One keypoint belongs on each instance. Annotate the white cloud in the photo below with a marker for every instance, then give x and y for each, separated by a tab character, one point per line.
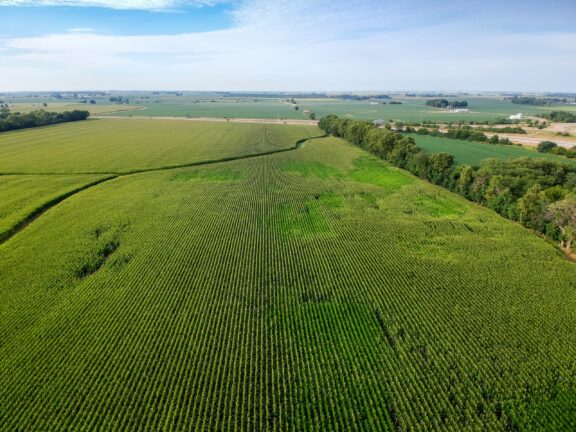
115	4
301	45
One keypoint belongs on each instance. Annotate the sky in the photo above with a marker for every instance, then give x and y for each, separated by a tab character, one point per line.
288	45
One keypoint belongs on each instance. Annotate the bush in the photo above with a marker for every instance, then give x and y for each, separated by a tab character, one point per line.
546	146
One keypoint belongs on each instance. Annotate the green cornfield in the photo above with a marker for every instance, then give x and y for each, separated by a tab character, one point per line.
317	288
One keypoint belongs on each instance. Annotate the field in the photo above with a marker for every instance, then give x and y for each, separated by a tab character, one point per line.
21	196
60	107
313	289
412	109
128	145
472	153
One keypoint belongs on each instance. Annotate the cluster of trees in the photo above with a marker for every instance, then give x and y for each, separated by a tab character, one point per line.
552	147
360	98
463	133
560	116
538	193
119	100
505	129
12	121
444	103
538	101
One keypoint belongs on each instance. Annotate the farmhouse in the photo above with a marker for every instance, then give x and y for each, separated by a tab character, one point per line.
518	116
379	122
460	110
306	112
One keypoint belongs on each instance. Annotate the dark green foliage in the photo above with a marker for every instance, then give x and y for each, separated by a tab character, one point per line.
444	103
560	116
546	146
11	121
537	101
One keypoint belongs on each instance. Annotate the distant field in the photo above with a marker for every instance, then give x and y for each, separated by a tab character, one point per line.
60	107
315	289
122	145
235	108
472	153
412	109
415	110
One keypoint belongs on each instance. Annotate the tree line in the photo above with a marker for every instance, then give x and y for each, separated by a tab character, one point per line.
12	121
537	101
560	116
462	133
538	193
445	103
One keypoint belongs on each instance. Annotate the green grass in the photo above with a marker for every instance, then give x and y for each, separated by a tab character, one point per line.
472	153
125	145
371	171
311	168
278	300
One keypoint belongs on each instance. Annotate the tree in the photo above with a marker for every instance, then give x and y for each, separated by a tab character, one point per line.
563	215
546	146
532	208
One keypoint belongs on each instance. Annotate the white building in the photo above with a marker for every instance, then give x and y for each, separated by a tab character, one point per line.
460	110
518	116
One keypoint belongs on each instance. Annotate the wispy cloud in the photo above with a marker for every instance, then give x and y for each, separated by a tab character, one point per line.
311	45
154	5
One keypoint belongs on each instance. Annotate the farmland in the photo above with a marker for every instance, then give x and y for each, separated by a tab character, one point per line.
472	153
21	196
314	289
111	146
412	109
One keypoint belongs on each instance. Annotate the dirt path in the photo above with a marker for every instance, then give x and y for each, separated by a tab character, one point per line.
533	142
216	119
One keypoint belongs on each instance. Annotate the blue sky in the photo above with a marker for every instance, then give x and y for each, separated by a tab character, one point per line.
288	45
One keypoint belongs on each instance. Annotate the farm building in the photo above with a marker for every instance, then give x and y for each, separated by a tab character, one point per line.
518	116
379	122
306	112
460	110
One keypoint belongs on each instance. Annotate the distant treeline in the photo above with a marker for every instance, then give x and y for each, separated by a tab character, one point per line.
538	101
445	103
360	98
560	116
540	194
462	133
12	121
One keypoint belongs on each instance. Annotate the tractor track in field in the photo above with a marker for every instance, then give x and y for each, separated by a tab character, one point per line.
39	211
